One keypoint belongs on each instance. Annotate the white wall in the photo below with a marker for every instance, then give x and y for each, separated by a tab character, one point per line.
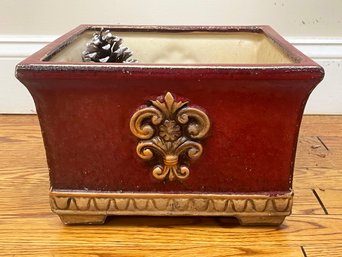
314	26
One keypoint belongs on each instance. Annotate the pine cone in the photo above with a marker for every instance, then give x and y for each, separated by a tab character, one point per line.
105	47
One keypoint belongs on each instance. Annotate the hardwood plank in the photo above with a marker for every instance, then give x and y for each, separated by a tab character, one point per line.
317	177
306	203
312	153
314	125
142	232
332	199
320	130
321	119
114	251
334	144
322	250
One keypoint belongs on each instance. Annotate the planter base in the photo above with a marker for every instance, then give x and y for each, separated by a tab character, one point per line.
93	207
74	219
261	220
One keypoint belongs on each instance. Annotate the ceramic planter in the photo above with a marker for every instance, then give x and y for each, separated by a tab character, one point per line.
206	123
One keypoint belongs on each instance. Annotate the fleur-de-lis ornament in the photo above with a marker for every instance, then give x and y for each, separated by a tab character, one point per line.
169	129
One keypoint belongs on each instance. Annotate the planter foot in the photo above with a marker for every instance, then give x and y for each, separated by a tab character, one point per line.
69	219
261	220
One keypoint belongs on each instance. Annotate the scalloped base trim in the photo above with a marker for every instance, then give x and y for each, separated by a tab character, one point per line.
93	207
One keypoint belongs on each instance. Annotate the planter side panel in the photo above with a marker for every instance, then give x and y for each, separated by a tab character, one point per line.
250	147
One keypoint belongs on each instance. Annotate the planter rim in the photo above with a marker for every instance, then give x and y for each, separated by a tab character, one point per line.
38	61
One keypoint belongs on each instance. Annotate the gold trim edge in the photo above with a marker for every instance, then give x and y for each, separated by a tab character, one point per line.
159	204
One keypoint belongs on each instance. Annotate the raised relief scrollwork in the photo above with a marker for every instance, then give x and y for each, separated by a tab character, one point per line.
169	130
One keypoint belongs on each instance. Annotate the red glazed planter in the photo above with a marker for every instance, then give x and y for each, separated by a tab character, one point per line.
206	123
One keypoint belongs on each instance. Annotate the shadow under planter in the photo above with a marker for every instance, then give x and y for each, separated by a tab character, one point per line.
204	123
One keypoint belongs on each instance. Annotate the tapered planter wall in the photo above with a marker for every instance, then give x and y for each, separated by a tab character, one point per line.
205	123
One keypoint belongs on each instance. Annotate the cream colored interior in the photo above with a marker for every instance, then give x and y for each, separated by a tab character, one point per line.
188	48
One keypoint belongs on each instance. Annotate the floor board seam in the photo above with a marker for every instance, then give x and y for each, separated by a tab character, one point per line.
325	146
303	251
320	201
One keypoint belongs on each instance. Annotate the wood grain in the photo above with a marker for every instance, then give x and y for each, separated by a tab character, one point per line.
317	125
332	200
28	228
134	251
311	152
305	202
317	177
324	251
334	143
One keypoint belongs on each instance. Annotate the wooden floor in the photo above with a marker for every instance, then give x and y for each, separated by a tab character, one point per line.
27	226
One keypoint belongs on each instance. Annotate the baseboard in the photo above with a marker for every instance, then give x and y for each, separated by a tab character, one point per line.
21	46
318	48
326	99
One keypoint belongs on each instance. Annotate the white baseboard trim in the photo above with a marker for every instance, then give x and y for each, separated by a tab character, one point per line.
326	99
13	46
318	48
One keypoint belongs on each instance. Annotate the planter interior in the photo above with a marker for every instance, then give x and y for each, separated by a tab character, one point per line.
189	48
226	147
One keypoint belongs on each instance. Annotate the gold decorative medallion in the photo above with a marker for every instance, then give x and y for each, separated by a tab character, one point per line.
170	131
